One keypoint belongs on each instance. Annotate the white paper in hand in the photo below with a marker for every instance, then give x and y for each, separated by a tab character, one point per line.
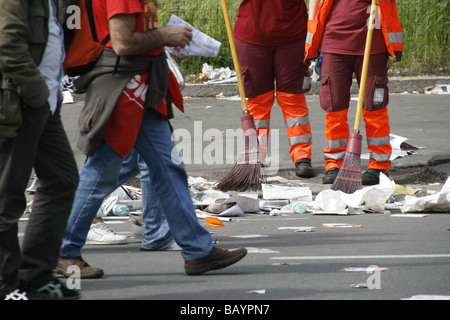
201	45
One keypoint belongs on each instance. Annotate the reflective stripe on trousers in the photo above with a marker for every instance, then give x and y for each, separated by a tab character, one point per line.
295	113
377	132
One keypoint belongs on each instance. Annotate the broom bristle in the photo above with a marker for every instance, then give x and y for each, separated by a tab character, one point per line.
348	179
247	174
242	177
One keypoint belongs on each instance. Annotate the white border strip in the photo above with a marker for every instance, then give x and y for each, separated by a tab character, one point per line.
407	256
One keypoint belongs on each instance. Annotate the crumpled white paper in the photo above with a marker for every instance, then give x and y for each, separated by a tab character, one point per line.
276	192
217	73
338	202
439	202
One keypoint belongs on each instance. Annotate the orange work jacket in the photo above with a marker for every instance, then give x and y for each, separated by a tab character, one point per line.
390	26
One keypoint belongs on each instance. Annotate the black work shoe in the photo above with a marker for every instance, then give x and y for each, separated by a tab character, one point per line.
217	259
372	177
25	292
330	176
58	291
303	168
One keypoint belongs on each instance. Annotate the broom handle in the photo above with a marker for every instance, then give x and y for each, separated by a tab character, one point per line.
362	86
234	54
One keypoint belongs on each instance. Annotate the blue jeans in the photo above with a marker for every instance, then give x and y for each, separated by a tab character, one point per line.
101	172
157	234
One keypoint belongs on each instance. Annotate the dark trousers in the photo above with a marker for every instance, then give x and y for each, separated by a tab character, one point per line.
264	67
41	144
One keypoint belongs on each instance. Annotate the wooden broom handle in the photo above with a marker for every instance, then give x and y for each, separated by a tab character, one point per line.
362	86
234	54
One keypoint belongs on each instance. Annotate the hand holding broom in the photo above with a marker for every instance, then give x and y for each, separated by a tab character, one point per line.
247	172
348	179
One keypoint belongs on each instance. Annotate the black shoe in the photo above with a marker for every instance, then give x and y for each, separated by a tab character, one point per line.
372	176
25	292
330	176
303	168
217	259
58	291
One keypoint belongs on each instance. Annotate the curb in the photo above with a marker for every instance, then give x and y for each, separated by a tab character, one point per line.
396	85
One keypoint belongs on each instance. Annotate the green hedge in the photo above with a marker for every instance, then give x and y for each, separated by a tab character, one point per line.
425	23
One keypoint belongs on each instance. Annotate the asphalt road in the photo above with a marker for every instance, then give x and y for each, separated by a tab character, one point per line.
288	265
284	264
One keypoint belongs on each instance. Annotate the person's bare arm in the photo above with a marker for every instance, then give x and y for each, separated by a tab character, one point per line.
126	40
312	8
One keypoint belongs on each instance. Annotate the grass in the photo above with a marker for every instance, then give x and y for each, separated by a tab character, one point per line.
425	23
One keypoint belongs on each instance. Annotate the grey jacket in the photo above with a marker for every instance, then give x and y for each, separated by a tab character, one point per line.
23	39
104	85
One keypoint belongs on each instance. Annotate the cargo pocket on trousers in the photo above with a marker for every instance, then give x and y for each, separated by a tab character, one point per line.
326	98
307	81
10	110
377	94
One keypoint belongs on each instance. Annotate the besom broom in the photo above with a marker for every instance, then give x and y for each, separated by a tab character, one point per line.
247	172
348	179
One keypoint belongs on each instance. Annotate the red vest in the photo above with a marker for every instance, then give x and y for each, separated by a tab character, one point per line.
390	26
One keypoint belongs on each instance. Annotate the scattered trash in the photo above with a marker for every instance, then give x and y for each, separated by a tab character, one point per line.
233	211
203	215
438	89
404	190
298	229
359	285
410	215
107	206
119	210
400	148
427	297
67	97
367	270
283	197
205	197
249	236
122	202
277	192
340	225
260	250
216	74
372	197
268	205
439	202
275	212
67	84
298	207
259	291
214	222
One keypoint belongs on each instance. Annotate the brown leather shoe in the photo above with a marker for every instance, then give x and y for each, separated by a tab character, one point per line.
217	259
86	271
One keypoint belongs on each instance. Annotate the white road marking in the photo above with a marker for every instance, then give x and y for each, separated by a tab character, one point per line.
405	256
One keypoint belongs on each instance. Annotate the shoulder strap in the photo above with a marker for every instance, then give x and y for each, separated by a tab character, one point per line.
90	13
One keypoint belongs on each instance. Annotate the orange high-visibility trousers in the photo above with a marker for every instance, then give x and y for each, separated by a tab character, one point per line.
377	133
296	117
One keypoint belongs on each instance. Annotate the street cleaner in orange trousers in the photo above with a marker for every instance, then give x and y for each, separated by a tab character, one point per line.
336	34
270	41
